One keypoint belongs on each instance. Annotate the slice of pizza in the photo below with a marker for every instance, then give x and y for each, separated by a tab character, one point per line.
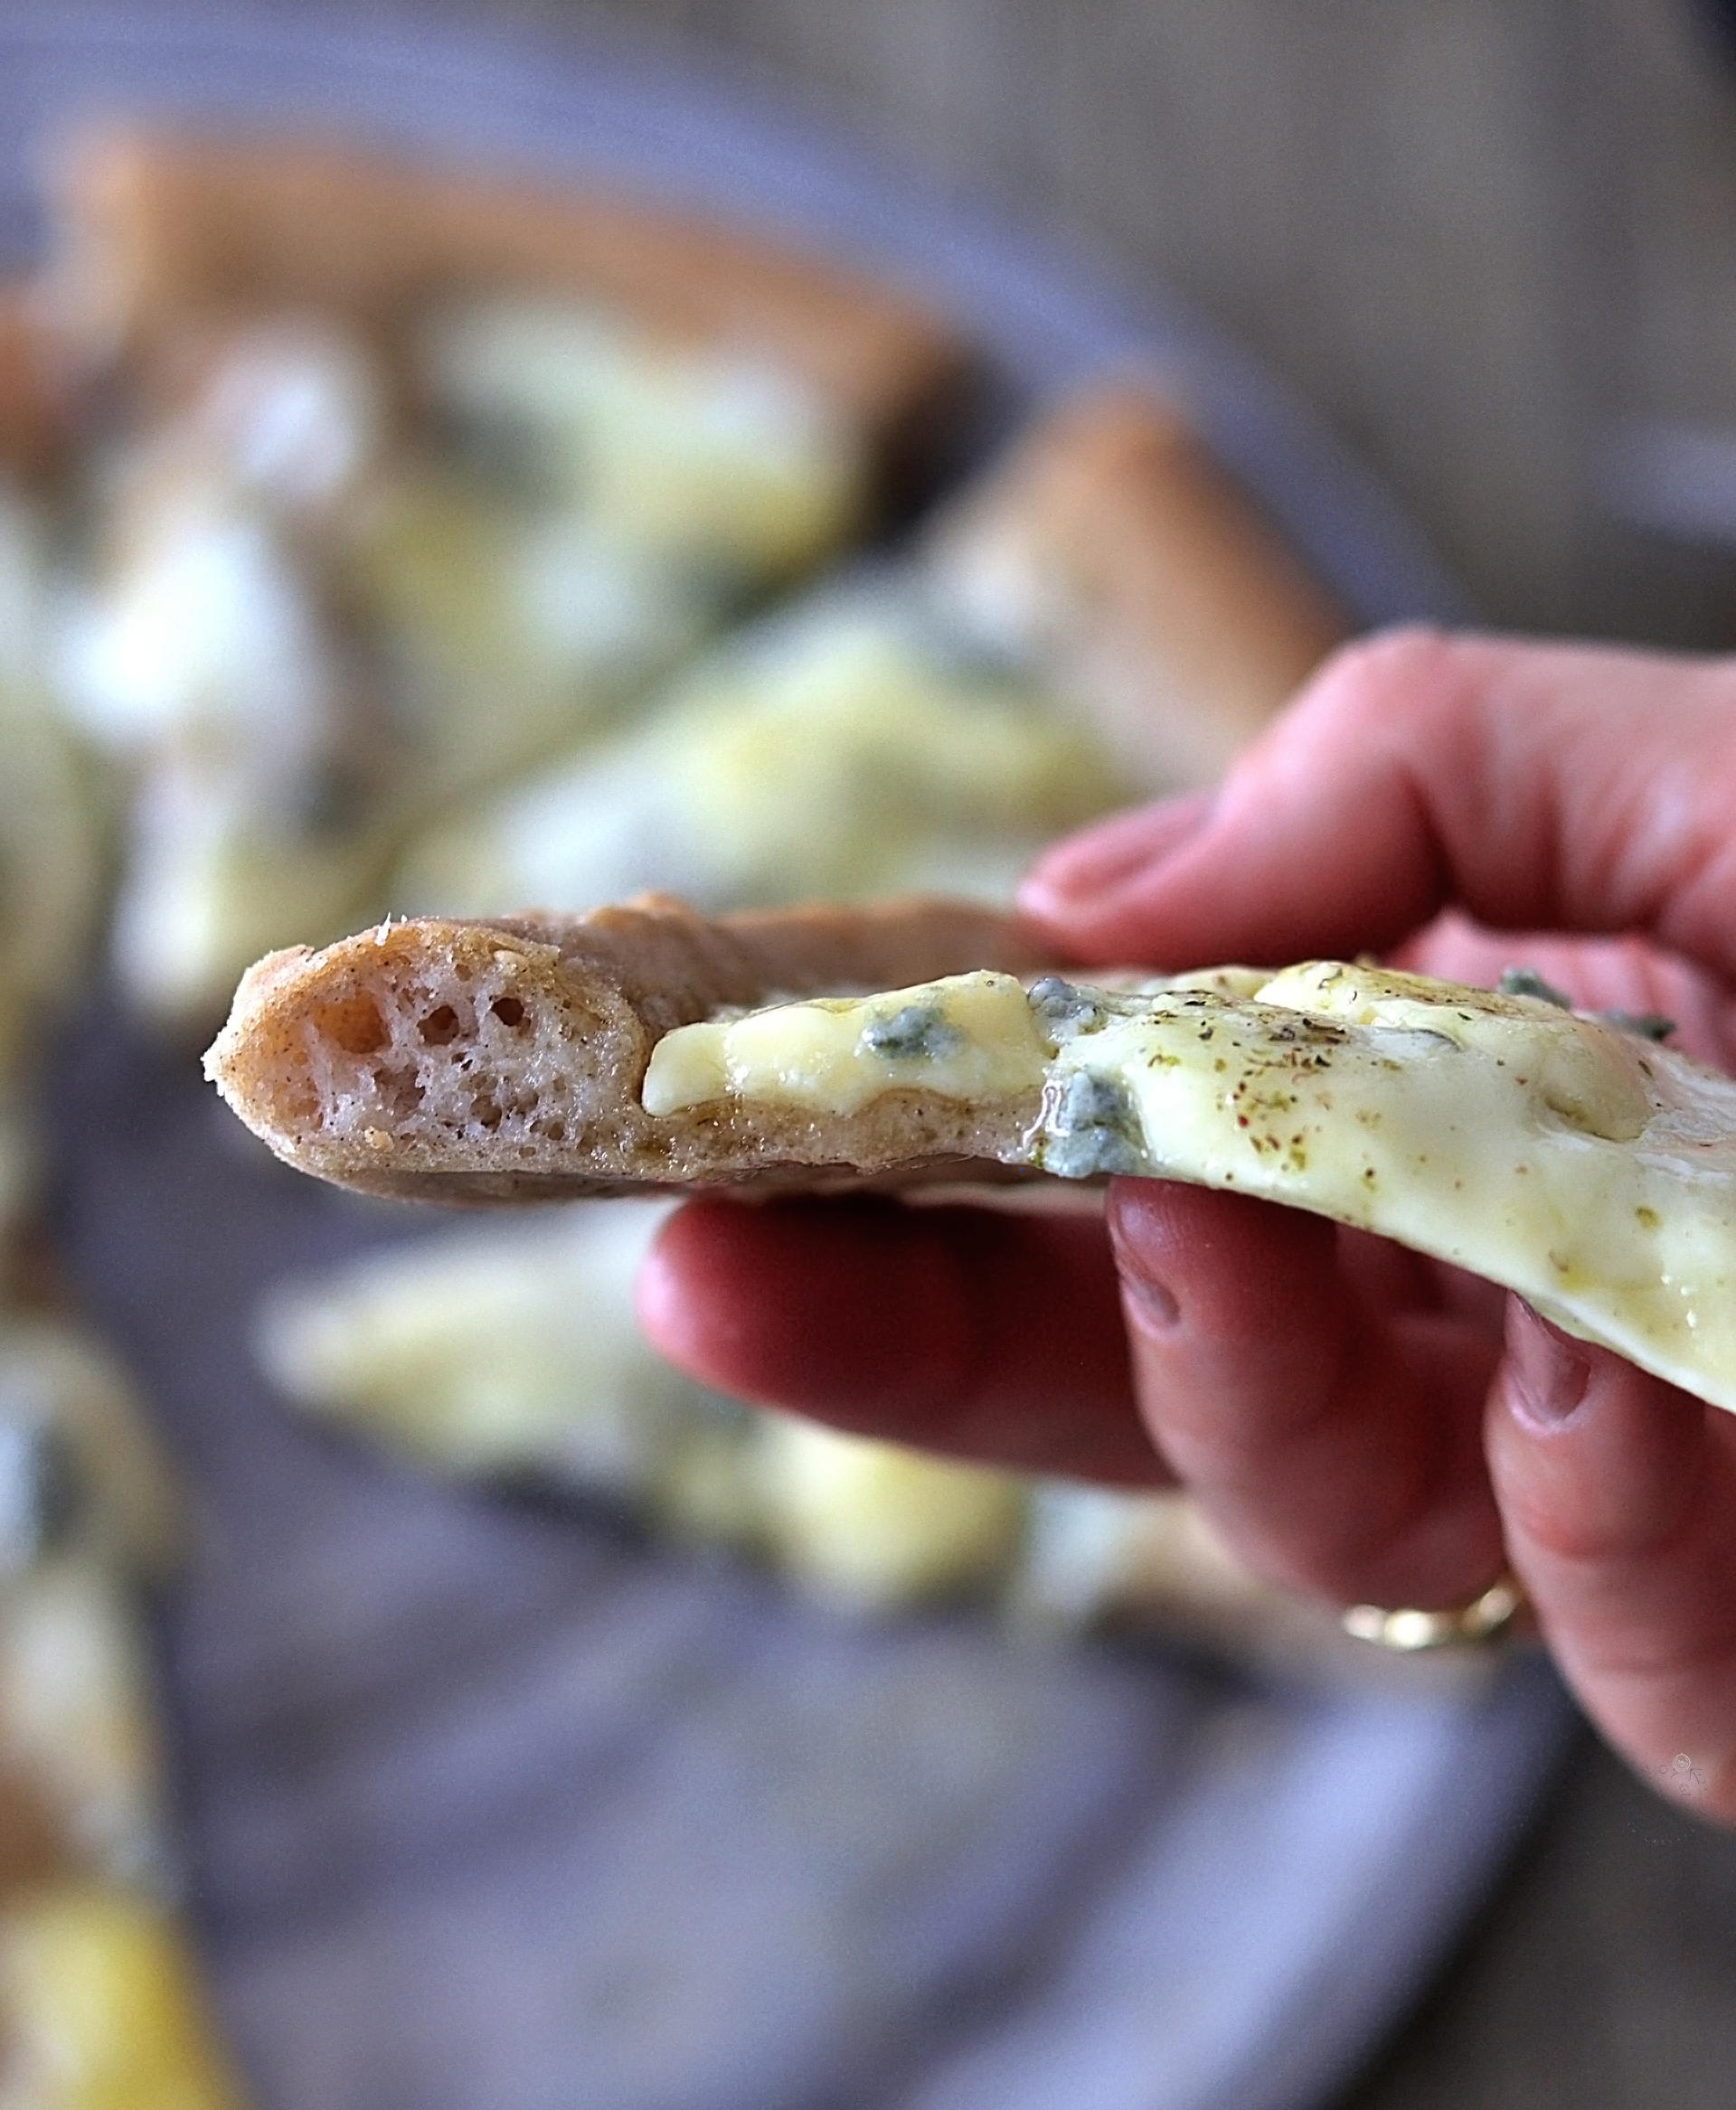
842	747
1101	609
1110	551
486	1059
404	481
509	1351
1574	1160
99	2001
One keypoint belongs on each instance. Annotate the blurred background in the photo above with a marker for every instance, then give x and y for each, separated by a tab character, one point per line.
1494	242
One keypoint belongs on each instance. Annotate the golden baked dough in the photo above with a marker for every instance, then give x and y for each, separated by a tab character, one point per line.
1114	550
172	235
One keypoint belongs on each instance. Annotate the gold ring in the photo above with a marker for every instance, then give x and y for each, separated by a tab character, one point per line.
1484	1619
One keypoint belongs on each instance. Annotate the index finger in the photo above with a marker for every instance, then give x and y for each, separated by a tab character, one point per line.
1551	786
992	1334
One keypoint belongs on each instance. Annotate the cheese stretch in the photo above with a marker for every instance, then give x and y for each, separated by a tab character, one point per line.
1577	1163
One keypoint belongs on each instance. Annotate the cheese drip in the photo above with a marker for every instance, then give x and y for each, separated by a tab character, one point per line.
1583	1166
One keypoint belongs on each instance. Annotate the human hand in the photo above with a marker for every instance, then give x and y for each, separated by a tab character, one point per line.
1358	1422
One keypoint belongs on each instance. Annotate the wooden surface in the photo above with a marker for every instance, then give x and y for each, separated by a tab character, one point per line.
1485	237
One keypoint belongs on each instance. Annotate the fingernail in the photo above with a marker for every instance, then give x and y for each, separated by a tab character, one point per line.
1087	866
1551	1370
1153	1304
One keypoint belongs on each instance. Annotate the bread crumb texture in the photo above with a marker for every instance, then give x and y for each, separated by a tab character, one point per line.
475	1047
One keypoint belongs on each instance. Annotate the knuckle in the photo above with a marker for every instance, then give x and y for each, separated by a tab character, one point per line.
1395	674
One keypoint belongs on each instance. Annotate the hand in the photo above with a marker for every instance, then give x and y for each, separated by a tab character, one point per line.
1358	1422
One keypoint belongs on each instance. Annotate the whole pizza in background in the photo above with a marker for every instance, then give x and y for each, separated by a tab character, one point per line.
376	541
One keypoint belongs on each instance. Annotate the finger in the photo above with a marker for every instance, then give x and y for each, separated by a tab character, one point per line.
1540	786
1618	1494
1599	974
988	1333
1336	1447
1118	849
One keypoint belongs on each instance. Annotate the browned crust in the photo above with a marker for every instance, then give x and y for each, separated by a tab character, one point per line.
37	1842
1170	607
36	386
372	1063
173	234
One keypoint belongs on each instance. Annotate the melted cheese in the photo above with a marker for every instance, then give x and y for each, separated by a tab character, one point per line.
834	750
703	455
971	1037
1586	1168
103	2007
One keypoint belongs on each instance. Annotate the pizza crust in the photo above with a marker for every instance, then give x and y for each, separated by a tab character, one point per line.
1112	549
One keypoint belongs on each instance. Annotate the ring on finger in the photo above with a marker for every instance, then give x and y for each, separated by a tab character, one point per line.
1486	1618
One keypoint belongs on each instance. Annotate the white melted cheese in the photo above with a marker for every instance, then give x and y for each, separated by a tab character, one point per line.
1583	1166
699	453
834	750
971	1037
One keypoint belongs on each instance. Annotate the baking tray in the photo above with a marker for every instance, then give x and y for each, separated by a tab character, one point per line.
494	1805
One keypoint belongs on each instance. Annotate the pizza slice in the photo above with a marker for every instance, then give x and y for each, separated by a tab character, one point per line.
842	747
1574	1159
175	235
1108	549
100	2001
394	484
509	1351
